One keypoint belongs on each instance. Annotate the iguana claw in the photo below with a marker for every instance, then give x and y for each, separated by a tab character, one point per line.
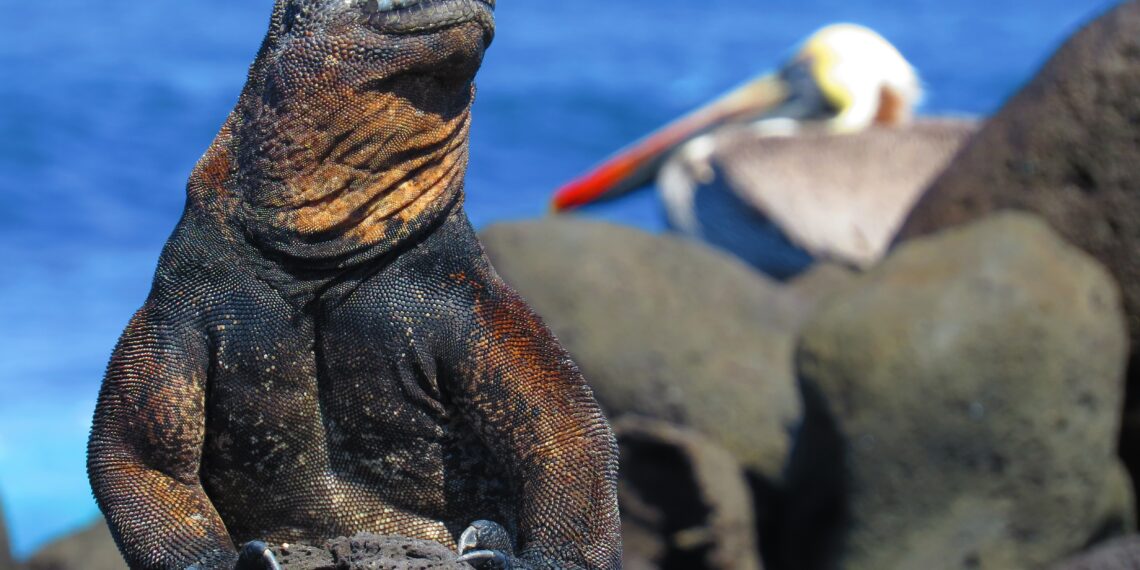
486	560
256	555
486	545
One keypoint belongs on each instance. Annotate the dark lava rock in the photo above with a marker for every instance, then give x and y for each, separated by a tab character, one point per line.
1120	554
970	386
819	283
685	502
370	552
1067	147
90	548
664	328
303	557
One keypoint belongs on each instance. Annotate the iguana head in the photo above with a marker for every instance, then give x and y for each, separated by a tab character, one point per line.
351	133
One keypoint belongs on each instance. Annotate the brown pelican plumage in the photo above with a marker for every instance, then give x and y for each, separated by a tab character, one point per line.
820	159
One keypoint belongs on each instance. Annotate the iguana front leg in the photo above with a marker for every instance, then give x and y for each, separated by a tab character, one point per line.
146	446
533	410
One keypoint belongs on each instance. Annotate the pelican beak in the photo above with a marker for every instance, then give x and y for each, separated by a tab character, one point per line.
637	164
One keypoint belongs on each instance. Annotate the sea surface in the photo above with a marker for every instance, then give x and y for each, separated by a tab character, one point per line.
105	107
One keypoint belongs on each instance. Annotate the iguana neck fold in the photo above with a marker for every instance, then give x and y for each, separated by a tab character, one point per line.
345	143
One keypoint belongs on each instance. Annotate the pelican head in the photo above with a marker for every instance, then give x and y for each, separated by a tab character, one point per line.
844	78
863	79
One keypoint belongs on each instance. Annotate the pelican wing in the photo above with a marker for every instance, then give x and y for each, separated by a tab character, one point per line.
840	197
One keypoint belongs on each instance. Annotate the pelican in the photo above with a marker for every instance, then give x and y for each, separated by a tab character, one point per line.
820	159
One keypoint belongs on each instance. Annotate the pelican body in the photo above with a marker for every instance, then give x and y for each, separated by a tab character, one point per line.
821	158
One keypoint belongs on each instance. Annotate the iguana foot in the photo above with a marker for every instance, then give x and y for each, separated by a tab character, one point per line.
256	555
486	545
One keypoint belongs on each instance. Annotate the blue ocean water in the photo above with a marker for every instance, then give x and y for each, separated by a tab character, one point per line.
105	107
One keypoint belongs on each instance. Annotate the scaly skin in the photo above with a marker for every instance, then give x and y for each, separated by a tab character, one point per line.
326	350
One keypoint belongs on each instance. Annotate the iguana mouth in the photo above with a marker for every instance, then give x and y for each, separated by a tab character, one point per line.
416	16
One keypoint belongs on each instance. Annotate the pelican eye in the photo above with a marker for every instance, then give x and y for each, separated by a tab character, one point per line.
806	99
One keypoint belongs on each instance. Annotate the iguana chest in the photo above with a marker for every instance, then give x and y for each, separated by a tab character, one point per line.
336	423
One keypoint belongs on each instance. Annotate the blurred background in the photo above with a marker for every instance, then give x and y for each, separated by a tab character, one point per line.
106	106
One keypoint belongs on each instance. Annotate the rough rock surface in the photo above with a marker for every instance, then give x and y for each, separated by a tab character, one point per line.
685	501
1067	147
90	548
1120	554
664	328
971	385
370	552
818	284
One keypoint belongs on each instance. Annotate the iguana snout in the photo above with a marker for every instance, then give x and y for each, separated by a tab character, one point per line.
416	15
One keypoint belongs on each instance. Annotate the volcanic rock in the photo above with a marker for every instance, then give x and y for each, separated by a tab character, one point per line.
685	502
92	548
369	552
1067	147
819	283
1119	554
664	328
89	548
962	405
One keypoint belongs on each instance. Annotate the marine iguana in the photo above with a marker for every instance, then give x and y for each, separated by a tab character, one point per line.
326	350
